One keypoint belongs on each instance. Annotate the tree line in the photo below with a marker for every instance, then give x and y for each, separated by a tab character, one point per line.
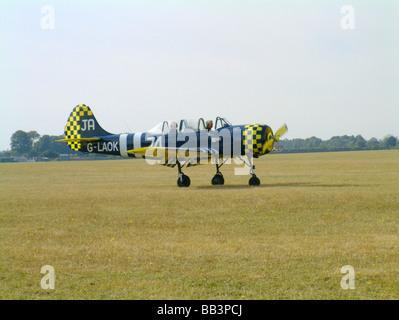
337	143
32	144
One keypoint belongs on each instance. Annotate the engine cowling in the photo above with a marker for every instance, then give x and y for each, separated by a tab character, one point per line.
254	139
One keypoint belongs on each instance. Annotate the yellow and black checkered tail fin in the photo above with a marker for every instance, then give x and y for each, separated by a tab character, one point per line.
82	126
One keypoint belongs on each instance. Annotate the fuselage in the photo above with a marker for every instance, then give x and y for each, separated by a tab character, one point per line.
228	141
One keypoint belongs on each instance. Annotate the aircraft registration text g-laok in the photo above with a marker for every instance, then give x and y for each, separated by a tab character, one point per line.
111	146
118	144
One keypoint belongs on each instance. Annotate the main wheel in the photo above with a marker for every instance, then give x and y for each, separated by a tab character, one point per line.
218	179
254	181
184	182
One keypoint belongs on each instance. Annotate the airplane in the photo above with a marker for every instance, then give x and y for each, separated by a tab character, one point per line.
186	142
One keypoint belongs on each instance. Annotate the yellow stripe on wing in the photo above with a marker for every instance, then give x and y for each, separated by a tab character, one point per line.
161	152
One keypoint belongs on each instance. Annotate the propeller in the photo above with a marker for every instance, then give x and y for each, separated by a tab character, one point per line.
272	138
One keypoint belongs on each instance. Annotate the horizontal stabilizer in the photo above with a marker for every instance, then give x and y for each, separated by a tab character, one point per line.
79	140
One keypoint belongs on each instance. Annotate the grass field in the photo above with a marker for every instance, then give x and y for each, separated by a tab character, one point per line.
124	230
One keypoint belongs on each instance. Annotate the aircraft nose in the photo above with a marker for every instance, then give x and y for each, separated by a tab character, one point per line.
269	142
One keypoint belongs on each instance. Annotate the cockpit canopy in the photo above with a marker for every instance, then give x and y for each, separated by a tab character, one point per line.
222	123
196	125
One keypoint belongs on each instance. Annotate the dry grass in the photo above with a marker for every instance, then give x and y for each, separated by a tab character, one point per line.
124	230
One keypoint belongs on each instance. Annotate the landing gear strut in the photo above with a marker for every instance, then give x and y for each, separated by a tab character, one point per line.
254	180
218	177
183	180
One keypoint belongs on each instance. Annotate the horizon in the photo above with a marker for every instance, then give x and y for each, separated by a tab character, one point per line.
282	139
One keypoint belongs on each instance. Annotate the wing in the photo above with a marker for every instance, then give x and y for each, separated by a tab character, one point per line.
168	156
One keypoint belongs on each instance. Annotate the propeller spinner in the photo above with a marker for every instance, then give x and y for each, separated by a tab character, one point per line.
268	146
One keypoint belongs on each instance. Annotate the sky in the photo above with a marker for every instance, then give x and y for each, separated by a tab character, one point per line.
319	67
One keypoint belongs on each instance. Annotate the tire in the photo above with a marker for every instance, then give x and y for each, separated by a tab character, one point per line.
185	182
254	181
218	179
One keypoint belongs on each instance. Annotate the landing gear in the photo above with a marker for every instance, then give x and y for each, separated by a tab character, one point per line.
254	180
218	177
183	180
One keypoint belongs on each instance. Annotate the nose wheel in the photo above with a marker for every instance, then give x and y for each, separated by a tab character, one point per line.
254	181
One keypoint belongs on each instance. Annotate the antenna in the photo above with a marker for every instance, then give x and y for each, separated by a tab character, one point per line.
130	131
